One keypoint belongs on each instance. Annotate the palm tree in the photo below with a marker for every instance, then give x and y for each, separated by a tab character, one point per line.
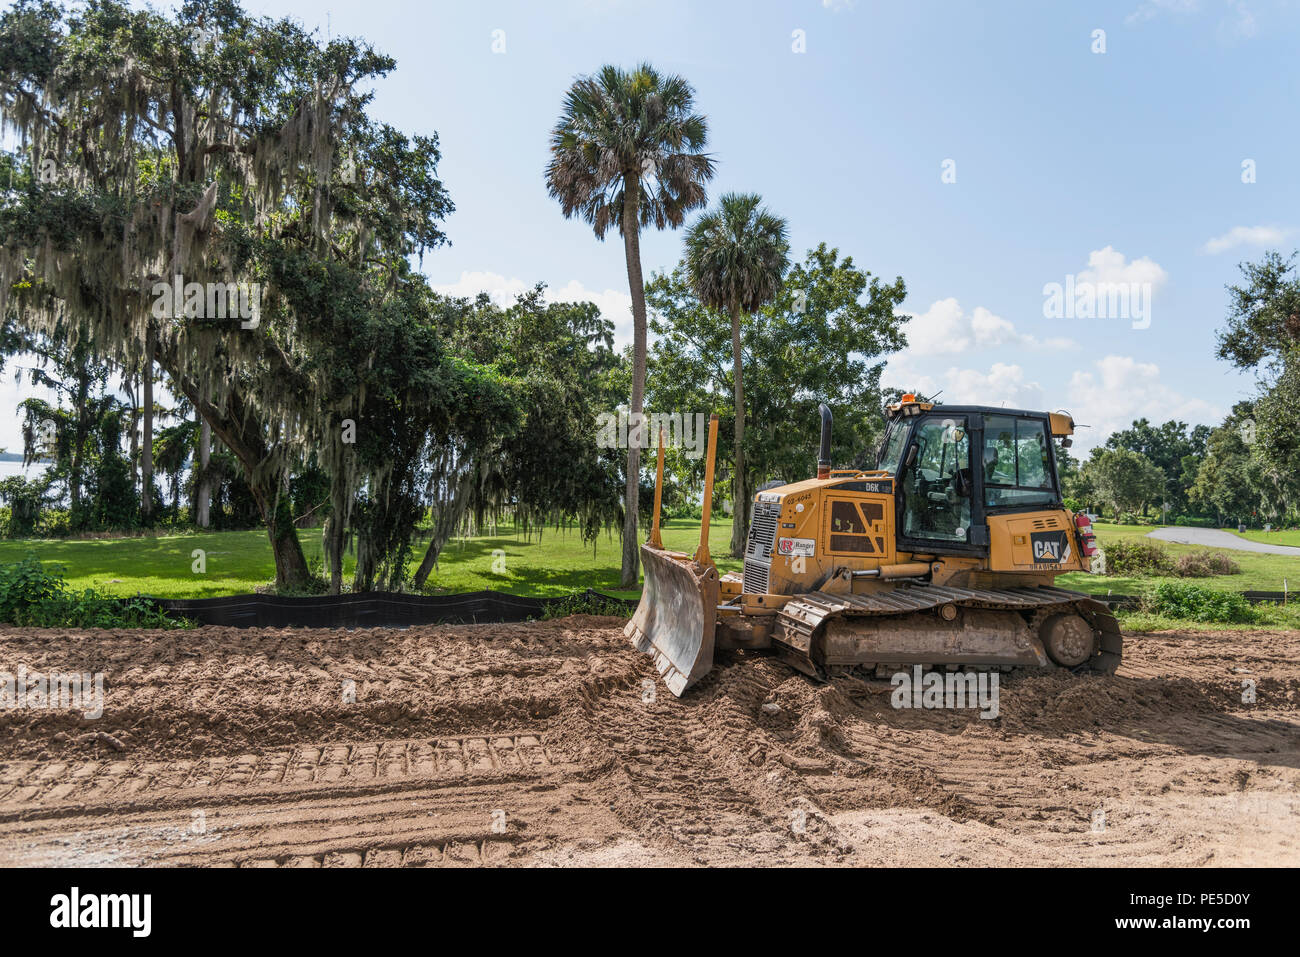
627	153
736	257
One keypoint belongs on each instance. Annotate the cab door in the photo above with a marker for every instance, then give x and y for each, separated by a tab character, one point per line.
937	511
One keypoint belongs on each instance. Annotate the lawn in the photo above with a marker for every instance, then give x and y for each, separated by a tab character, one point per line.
1270	538
1259	572
554	563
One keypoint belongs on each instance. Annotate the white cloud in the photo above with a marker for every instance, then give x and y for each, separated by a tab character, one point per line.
1004	384
946	329
1246	236
1239	24
835	6
1108	265
1119	389
1149	9
614	305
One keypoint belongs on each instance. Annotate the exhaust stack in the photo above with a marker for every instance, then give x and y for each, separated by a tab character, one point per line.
824	455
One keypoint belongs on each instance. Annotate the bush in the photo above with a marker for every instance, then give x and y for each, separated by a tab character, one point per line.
1191	521
1137	558
586	603
1204	564
1198	603
24	585
26	500
33	596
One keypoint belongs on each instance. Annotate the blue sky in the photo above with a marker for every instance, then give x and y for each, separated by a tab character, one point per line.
1124	165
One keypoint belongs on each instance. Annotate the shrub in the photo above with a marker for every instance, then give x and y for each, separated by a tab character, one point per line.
32	595
586	603
1204	564
26	500
24	585
1198	603
1192	521
1137	558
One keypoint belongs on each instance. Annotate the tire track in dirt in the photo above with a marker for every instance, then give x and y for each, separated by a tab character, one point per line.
553	743
27	783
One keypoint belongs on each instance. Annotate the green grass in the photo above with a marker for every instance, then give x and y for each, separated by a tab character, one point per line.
1259	572
1272	617
554	563
1269	538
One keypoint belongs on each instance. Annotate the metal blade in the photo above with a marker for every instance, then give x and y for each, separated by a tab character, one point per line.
677	617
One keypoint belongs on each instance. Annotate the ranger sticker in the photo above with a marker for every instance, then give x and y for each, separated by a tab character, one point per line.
796	547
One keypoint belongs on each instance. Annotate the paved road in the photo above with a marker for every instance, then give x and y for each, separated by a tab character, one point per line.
1218	538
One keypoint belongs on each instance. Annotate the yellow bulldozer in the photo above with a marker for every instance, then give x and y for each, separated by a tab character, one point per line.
945	555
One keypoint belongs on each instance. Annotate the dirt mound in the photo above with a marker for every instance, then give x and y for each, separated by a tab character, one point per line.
553	743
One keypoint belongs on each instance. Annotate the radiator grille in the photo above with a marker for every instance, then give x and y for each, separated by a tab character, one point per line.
762	530
758	550
755	580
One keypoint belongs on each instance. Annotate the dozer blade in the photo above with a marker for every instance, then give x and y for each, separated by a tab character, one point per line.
677	618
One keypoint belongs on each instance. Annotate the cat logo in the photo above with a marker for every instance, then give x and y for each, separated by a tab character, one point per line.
1050	548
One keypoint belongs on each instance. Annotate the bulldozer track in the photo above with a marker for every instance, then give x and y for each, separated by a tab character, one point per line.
802	617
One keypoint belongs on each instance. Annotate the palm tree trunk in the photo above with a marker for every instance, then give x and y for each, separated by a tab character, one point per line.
739	501
203	507
82	432
636	285
135	436
146	445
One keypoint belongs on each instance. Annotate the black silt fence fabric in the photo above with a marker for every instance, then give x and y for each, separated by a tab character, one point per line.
367	610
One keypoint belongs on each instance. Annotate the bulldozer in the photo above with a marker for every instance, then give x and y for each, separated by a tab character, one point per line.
944	555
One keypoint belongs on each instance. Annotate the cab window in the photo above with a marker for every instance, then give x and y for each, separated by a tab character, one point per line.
936	502
1017	467
891	450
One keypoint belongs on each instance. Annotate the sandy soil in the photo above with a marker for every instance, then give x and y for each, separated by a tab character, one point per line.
547	744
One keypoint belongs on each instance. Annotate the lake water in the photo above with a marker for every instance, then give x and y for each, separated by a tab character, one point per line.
10	469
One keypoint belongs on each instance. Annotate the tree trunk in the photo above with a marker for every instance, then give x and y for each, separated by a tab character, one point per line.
202	511
290	563
335	531
244	435
146	444
447	516
135	436
203	493
739	501
636	285
78	448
